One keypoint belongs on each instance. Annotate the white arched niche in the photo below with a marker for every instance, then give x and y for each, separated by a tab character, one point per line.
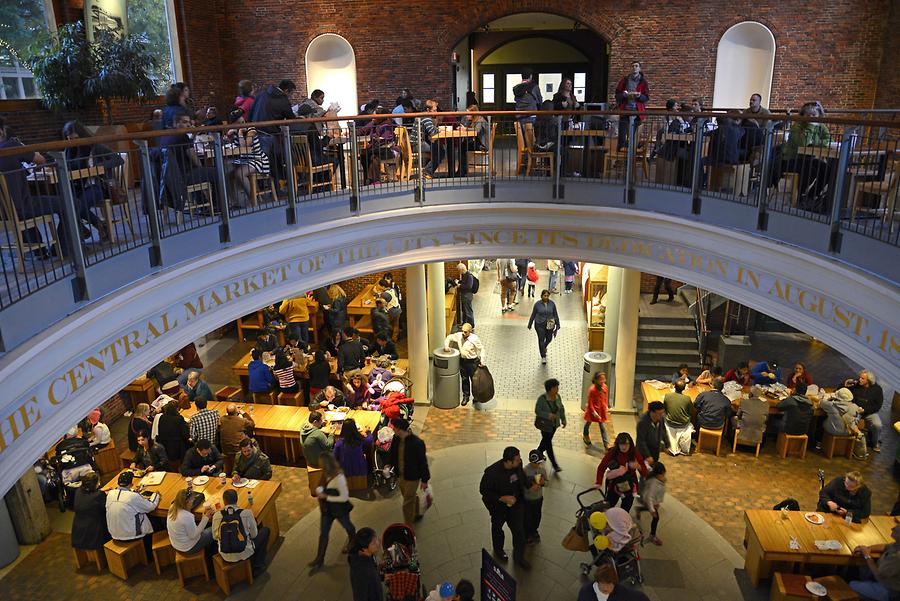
744	65
331	67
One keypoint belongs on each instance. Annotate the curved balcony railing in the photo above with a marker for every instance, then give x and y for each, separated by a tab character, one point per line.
95	199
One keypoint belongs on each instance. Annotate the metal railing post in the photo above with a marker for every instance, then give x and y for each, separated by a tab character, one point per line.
558	191
148	191
225	227
489	183
290	175
420	172
72	227
354	170
697	167
629	160
762	194
848	141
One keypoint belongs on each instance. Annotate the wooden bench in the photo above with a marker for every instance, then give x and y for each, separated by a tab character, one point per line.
261	398
228	393
789	444
229	573
107	459
191	565
122	555
842	445
293	399
838	590
127	458
709	433
163	553
314	476
789	587
85	556
364	325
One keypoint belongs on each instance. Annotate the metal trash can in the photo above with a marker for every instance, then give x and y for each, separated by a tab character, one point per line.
594	361
445	364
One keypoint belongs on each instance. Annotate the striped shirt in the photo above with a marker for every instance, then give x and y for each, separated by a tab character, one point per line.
285	377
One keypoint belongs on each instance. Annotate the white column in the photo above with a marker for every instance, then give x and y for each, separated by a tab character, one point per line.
417	332
613	294
626	340
437	323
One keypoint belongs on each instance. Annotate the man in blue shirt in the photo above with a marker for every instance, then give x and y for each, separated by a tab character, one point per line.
766	372
713	407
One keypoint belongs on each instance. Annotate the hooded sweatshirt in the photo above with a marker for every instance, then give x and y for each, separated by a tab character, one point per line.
835	410
315	442
271	104
528	96
798	411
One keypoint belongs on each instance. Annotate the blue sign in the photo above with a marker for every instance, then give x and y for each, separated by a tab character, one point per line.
496	583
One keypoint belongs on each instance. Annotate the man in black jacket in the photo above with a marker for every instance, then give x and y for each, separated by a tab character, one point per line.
274	103
868	395
502	491
845	495
202	459
652	437
352	353
407	455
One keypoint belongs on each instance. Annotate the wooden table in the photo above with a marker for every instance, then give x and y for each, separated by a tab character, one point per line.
283	423
47	174
141	390
768	538
239	369
446	132
651	394
865	163
264	497
358	306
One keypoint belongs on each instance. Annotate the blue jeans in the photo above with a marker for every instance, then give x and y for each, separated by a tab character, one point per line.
870	589
328	517
300	331
554	277
206	542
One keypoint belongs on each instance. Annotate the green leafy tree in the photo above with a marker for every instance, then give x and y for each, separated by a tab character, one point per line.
149	18
61	63
21	22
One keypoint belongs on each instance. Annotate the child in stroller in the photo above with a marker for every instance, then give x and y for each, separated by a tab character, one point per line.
400	568
614	539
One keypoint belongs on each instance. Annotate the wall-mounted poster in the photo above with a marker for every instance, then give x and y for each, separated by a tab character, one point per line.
111	15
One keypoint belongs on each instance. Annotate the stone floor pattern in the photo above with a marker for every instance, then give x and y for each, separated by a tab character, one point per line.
702	512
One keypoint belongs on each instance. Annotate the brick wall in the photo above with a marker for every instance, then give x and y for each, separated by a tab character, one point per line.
888	95
115	407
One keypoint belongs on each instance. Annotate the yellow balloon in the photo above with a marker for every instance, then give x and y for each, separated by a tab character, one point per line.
598	520
601	542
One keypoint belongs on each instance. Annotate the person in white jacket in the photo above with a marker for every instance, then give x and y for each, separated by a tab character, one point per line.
334	504
185	534
471	355
127	512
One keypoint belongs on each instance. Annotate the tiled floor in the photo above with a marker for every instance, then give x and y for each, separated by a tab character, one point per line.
703	512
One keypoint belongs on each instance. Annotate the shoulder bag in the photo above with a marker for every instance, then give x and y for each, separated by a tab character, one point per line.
545	424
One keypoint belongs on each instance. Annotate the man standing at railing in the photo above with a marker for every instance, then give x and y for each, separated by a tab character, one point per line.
632	94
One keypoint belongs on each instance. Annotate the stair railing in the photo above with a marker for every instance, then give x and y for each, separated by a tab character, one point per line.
699	309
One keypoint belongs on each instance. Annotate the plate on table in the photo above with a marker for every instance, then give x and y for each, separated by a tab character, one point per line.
816	588
241	483
814	518
201	480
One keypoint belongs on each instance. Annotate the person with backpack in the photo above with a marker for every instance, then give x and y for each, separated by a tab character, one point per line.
239	536
468	286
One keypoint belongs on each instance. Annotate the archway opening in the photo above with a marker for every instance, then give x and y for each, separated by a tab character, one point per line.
331	66
745	62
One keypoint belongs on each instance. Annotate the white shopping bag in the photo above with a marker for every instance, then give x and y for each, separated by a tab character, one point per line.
426	498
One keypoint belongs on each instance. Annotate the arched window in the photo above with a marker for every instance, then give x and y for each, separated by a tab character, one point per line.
331	67
744	65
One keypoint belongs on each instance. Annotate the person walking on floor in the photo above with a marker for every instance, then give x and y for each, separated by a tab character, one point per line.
653	491
334	504
597	409
534	496
508	276
546	323
553	266
365	579
407	455
522	267
467	288
502	491
660	282
471	354
550	414
570	270
623	462
532	279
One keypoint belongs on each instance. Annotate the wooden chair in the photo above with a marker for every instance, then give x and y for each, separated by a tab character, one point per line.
355	483
409	156
292	399
163	553
122	177
191	565
393	167
127	458
84	557
886	190
122	555
256	191
206	202
832	444
792	444
228	394
708	433
613	155
229	573
792	181
730	179
107	459
481	160
789	587
525	154
261	398
739	441
304	170
14	227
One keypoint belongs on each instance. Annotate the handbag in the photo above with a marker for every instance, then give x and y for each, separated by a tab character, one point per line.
546	424
551	325
573	541
425	497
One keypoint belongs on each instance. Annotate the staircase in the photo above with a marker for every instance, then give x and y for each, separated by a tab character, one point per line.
663	344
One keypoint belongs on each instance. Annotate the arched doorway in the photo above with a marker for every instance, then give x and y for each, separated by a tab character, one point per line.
331	66
490	59
745	62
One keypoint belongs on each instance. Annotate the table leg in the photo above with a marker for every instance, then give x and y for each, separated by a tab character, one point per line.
342	166
451	159
754	564
268	517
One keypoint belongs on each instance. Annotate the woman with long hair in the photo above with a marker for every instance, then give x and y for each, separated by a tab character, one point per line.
334	504
623	462
319	373
89	530
186	535
365	580
349	449
358	392
336	310
140	422
284	371
550	414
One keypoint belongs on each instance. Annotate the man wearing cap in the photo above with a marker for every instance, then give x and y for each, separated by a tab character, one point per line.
502	491
534	495
471	355
407	455
127	512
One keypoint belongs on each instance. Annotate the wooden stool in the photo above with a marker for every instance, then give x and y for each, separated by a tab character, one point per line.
127	458
790	587
314	475
121	555
85	556
716	435
358	482
294	399
228	573
838	590
163	553
261	398
228	393
738	441
107	459
192	565
792	444
832	444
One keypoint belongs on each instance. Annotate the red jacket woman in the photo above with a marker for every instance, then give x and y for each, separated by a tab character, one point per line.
637	98
597	409
624	462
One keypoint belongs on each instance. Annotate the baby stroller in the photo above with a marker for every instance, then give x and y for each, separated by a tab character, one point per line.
400	568
382	449
73	459
627	560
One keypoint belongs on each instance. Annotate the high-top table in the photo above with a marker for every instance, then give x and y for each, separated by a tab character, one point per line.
264	497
